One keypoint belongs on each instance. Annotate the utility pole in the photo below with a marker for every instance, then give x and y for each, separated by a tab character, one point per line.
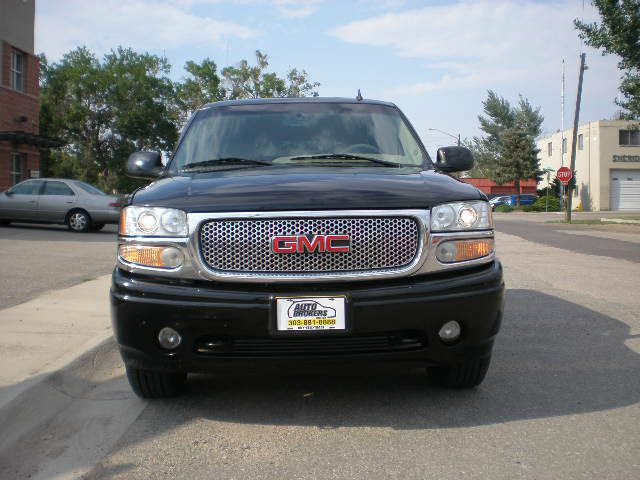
548	171
562	135
574	136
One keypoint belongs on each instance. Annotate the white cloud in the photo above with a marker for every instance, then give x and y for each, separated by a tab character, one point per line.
142	24
297	8
481	44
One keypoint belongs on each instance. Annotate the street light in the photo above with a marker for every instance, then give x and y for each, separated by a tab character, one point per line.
457	137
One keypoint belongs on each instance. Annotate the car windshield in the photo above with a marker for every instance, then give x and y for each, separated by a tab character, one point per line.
90	188
299	133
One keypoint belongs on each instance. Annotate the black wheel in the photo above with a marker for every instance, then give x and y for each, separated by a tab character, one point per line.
96	227
150	384
79	221
4	223
468	374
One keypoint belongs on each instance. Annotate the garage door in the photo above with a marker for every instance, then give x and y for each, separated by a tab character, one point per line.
625	190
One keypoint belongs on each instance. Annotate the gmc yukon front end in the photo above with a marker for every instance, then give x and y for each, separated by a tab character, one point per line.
314	230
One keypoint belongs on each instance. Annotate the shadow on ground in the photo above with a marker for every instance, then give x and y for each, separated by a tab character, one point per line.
552	358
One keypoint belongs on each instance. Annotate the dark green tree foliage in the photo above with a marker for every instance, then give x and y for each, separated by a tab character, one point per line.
504	153
246	81
201	86
517	158
618	32
105	110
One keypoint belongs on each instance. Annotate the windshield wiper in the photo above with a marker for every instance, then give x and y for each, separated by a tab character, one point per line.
346	156
222	161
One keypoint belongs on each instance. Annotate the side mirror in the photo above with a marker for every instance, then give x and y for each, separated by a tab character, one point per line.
454	159
144	164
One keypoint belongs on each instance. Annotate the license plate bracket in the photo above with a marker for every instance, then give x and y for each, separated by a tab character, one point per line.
310	315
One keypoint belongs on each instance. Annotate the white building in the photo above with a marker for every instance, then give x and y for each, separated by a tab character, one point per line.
607	167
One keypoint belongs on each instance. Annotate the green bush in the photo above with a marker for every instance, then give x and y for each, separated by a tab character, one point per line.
540	205
504	208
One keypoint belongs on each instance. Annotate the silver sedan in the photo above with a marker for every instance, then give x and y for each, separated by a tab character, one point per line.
56	200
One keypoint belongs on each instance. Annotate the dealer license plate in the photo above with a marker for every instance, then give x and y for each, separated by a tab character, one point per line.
310	313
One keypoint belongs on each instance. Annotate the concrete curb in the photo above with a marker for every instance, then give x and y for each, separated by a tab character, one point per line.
41	398
619	220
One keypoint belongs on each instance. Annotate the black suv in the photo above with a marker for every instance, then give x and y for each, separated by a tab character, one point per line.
309	230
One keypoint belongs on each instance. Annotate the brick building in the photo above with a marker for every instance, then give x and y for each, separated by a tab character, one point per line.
492	188
19	95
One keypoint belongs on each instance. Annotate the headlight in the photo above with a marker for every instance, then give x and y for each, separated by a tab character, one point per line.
461	216
153	221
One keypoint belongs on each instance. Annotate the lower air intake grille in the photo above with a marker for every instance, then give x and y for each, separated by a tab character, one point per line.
271	347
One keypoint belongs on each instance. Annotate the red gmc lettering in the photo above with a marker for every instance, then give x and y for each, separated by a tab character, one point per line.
329	247
284	244
317	243
311	244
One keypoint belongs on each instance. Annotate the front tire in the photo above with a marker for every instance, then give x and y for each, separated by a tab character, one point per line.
467	374
151	384
79	221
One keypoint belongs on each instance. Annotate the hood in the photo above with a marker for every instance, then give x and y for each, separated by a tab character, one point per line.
305	188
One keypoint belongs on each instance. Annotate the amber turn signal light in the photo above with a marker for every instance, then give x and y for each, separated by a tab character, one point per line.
463	250
151	256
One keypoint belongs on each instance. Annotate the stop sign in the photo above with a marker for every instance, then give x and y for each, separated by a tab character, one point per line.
564	174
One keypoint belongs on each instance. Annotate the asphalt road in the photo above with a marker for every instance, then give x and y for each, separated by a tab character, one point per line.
561	400
616	241
38	258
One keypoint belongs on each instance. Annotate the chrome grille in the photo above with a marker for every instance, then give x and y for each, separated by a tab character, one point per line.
377	243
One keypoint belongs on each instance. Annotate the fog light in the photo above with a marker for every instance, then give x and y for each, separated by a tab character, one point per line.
463	250
450	331
151	255
168	338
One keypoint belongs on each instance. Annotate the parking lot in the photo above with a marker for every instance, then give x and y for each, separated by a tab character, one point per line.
38	258
561	399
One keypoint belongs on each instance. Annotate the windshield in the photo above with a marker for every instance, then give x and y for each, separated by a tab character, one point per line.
90	188
300	133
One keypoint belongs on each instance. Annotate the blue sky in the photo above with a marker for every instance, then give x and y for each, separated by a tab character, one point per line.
434	59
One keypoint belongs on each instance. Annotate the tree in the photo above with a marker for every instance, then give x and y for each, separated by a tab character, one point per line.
104	110
202	86
618	33
501	122
517	158
245	81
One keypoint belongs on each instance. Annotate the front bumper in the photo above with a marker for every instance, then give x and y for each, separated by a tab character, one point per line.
395	320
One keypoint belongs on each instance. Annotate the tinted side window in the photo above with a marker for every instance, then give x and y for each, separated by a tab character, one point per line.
31	187
57	188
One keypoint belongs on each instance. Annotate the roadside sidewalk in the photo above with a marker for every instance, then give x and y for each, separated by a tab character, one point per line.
43	335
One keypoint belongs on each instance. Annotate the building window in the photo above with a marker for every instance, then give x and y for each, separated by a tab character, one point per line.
17	70
580	142
629	138
18	161
549	148
564	145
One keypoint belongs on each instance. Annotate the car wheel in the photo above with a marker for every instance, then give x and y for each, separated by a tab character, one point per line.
4	223
79	221
150	384
467	374
96	227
